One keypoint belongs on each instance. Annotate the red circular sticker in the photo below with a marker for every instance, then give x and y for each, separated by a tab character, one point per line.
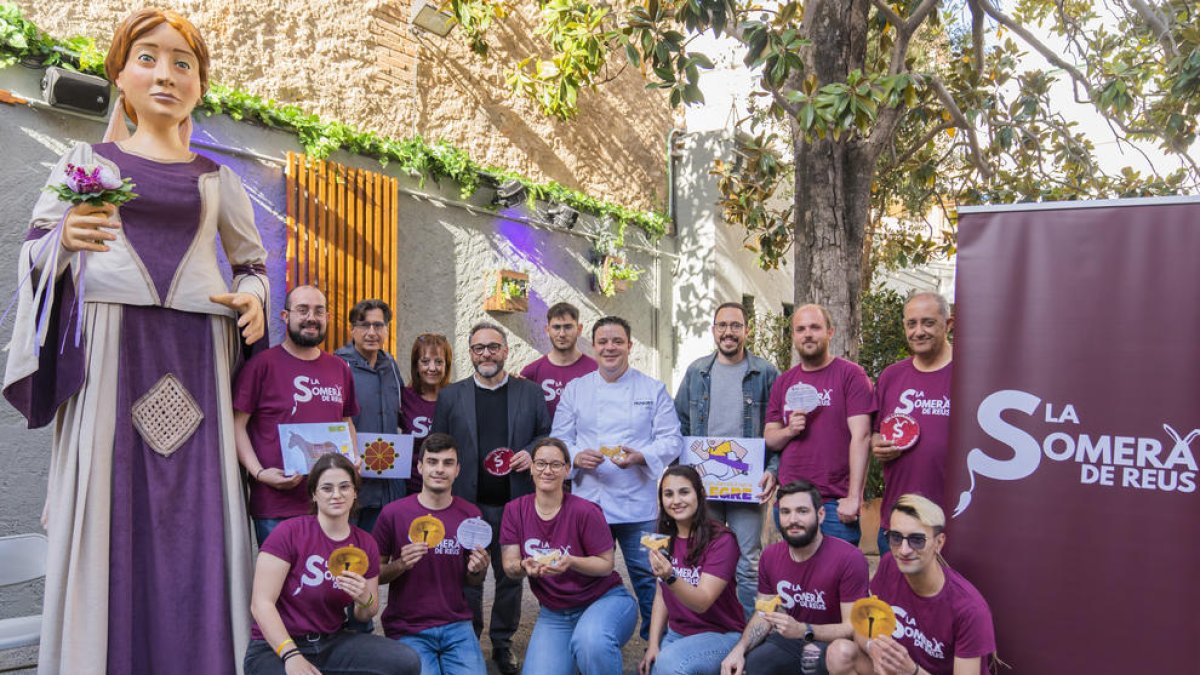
901	430
498	462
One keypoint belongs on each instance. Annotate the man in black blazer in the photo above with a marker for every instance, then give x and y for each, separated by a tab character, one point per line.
494	419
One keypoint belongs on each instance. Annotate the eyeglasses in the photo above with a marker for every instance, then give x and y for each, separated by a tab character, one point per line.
305	310
368	326
734	326
491	348
916	541
541	465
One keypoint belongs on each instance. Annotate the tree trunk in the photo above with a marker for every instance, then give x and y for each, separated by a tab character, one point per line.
833	181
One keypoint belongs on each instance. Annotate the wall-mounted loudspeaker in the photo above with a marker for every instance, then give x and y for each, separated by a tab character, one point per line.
68	89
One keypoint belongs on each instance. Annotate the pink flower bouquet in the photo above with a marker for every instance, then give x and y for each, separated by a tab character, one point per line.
94	185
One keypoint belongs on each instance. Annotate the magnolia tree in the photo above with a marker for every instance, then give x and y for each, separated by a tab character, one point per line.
869	108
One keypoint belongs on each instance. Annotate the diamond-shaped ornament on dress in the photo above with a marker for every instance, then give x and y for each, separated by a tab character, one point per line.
166	416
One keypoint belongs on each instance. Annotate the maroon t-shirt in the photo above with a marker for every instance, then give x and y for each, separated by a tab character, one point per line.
720	560
813	591
416	418
277	388
310	600
552	378
578	529
954	623
431	593
821	453
925	397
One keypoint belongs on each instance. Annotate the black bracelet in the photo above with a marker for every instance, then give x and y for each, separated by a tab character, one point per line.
290	654
256	480
916	668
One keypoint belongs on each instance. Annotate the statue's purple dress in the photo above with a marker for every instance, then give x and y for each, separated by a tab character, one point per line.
150	556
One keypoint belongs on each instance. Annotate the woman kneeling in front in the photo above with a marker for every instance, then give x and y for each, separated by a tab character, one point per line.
300	595
696	604
563	544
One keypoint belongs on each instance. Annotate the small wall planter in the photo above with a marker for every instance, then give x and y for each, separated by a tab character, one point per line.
613	275
510	292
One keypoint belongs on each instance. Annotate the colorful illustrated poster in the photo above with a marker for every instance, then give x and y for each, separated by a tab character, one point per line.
385	455
730	467
303	444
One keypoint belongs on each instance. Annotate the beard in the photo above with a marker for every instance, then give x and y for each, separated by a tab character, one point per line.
801	540
489	368
737	349
298	337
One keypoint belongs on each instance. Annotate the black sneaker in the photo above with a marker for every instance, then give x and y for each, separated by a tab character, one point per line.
506	662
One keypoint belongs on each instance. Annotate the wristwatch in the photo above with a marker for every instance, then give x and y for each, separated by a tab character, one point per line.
671	579
808	633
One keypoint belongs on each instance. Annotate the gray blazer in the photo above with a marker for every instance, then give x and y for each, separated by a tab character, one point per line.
528	420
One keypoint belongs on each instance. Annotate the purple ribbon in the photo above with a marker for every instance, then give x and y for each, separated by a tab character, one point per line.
39	256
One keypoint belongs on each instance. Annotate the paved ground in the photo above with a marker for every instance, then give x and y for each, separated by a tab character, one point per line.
632	652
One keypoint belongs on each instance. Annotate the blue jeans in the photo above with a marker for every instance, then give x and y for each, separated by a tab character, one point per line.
698	654
637	563
264	526
451	649
882	542
832	527
586	639
745	521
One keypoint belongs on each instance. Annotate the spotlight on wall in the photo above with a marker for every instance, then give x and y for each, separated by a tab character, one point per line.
80	92
431	20
563	216
509	193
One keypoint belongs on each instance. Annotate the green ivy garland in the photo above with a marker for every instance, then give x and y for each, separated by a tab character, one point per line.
22	41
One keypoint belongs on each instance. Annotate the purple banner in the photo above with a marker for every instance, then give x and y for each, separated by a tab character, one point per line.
1076	432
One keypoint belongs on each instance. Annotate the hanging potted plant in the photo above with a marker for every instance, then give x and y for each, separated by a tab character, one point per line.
611	273
510	292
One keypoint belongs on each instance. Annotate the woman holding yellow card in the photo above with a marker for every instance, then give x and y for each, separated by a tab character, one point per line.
562	543
309	570
696	617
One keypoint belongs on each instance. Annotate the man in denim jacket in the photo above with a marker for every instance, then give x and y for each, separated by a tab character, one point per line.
725	394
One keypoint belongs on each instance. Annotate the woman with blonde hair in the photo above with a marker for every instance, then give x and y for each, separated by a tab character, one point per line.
126	339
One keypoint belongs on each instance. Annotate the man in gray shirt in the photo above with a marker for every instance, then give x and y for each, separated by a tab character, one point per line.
725	394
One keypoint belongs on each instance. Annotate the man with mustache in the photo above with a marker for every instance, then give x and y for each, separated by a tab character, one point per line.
494	420
815	580
919	389
819	418
293	382
725	395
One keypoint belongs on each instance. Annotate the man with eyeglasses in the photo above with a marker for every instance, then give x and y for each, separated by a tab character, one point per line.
819	419
915	393
806	585
725	395
564	362
622	431
494	420
377	385
943	624
293	382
